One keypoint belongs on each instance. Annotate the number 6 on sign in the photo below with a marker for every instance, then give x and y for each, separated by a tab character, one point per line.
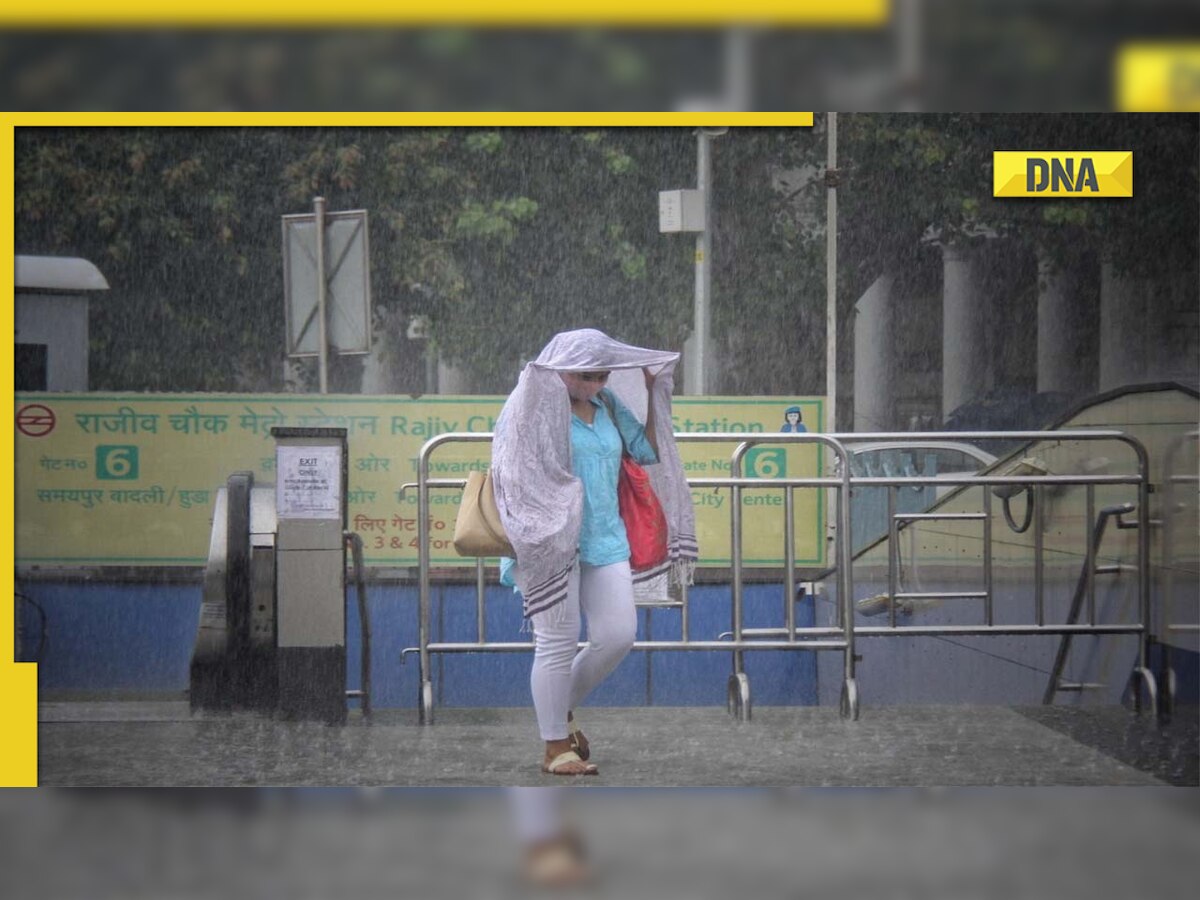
766	462
117	462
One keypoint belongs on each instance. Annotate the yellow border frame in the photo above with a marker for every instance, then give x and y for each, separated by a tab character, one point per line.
18	682
486	13
410	120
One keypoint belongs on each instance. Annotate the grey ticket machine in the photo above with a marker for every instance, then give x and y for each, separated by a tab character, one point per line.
310	571
272	633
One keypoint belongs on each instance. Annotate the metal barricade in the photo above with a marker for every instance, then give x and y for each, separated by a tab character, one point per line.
1039	485
839	638
1179	558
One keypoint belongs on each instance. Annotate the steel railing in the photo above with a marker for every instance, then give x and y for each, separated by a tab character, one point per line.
1039	485
841	635
1180	498
841	638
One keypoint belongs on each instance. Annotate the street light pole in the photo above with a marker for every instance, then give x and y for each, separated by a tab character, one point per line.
831	270
322	323
701	355
702	314
832	500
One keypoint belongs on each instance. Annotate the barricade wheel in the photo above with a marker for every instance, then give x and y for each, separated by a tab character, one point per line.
1166	702
426	703
849	701
738	696
744	694
1144	679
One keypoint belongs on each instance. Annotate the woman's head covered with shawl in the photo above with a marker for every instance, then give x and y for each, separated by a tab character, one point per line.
540	500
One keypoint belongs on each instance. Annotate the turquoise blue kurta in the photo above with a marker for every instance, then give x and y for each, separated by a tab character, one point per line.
596	462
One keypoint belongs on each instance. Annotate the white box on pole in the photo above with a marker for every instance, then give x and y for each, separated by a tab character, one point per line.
681	210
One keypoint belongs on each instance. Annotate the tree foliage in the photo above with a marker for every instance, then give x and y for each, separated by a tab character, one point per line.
504	236
501	237
913	178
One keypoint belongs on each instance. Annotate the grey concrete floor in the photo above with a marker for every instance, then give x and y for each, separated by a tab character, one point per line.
161	744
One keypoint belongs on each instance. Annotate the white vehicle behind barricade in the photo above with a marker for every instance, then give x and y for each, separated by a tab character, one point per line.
951	459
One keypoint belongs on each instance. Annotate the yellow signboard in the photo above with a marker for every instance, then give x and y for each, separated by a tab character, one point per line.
1059	174
130	479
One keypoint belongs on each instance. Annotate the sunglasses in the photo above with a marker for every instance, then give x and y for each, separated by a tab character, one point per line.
593	376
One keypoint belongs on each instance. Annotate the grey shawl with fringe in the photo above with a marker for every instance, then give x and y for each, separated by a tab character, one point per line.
541	501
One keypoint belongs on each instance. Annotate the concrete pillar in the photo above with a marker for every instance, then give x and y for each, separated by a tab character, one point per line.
379	368
1122	329
451	379
1170	329
1062	330
964	350
875	358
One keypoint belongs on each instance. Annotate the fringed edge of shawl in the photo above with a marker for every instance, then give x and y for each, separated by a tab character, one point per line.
549	593
662	584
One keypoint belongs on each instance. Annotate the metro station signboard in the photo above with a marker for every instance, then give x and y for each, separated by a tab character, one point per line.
131	479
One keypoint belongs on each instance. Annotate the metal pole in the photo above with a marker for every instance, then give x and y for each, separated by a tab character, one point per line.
1039	554
1089	575
426	673
843	498
831	270
988	586
735	555
480	587
364	622
683	613
845	562
892	544
702	315
322	335
789	557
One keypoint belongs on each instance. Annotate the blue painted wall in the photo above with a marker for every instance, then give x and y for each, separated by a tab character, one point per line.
125	640
130	639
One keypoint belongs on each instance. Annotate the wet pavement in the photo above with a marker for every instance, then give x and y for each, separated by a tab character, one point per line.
159	743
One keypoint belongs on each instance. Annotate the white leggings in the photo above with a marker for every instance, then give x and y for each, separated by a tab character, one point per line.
562	678
537	812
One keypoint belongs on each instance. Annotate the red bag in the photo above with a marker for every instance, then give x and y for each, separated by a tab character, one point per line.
645	521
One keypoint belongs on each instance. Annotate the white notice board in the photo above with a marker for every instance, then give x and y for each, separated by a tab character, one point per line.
308	482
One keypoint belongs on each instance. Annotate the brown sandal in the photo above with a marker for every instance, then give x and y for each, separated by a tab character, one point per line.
579	742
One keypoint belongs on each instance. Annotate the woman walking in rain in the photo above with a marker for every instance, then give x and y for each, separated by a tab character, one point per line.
556	458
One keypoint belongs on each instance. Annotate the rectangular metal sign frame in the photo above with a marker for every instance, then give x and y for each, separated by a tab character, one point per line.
349	288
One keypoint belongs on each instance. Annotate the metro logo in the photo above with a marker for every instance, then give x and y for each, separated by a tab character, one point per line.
1062	174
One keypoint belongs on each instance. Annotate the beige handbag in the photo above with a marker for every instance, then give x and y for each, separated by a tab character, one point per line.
478	530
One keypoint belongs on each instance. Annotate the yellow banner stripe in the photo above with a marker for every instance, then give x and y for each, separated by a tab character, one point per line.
860	13
420	120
